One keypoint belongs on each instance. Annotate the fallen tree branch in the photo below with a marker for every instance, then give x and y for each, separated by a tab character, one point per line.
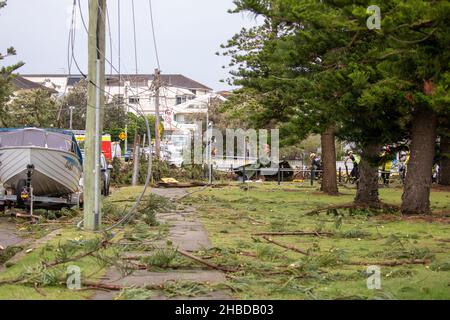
286	246
247	254
206	263
102	286
255	220
181	184
378	206
39	290
79	257
295	233
388	263
11	281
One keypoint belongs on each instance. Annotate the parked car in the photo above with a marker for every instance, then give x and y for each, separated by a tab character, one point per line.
105	176
128	155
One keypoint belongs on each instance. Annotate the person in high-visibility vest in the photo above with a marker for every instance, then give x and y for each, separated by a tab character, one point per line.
355	159
386	165
403	164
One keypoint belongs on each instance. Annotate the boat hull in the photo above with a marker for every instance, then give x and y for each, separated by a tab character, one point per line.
56	172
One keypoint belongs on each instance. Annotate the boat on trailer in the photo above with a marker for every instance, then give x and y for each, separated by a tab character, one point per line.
42	164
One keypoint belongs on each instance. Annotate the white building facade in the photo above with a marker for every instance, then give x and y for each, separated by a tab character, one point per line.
182	100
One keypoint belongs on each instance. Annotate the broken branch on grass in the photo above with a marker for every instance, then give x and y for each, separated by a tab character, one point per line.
39	290
294	233
255	220
206	263
389	263
378	206
81	256
102	286
286	246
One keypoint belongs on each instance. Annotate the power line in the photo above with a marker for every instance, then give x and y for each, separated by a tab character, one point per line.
110	38
135	41
119	25
154	33
136	92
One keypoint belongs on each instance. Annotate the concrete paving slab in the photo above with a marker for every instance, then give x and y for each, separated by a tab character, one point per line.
144	278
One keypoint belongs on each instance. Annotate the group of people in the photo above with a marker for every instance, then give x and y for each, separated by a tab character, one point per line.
387	162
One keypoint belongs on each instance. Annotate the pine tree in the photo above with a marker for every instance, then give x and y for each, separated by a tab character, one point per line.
319	64
6	74
32	108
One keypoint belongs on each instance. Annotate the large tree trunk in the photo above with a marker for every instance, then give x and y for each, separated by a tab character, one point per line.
329	180
367	192
416	194
444	167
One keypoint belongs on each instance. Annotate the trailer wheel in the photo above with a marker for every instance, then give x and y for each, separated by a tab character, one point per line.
21	184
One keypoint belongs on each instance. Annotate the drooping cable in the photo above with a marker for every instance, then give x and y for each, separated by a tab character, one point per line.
154	33
135	39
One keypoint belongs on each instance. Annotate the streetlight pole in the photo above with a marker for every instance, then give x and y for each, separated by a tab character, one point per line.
71	108
157	85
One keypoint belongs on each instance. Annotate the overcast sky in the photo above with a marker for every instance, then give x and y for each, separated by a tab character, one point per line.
188	32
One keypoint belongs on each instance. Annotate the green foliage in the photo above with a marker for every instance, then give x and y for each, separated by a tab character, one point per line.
355	234
134	294
136	125
6	74
160	169
41	276
398	249
76	97
115	115
184	289
160	258
336	265
8	253
267	253
31	108
312	64
440	266
151	205
119	176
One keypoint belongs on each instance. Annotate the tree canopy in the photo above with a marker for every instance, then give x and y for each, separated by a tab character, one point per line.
314	64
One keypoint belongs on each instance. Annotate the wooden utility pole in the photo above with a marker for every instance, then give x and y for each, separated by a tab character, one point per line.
136	160
157	85
95	104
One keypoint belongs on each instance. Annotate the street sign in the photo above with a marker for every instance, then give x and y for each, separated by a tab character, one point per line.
122	136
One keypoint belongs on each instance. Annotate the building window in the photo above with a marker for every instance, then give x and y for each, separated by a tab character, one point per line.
133	100
183	99
180	99
118	98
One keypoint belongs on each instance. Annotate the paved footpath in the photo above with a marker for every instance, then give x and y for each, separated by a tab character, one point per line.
8	234
187	233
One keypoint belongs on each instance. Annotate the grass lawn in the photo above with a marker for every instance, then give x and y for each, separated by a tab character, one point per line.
334	268
30	265
232	215
38	279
